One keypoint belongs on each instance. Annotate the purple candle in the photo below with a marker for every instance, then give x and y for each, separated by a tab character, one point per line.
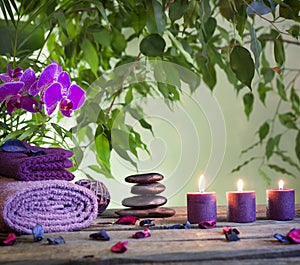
241	206
201	206
280	203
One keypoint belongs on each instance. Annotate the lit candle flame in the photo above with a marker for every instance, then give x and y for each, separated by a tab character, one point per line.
280	184
240	185
201	184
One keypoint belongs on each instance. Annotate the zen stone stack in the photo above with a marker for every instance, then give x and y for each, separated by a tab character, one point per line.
146	201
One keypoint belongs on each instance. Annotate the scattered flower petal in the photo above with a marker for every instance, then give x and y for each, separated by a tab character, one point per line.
38	233
142	234
207	224
119	247
231	234
9	240
187	225
101	235
146	223
127	220
281	238
293	236
56	241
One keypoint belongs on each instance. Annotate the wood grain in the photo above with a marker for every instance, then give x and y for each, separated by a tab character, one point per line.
180	246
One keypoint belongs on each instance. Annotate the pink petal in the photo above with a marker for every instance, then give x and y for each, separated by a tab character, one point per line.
47	76
10	240
77	95
120	247
142	234
207	224
52	95
294	236
127	220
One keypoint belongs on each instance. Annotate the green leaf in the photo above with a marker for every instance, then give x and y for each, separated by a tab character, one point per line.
179	46
270	147
118	41
153	45
288	120
177	9
139	19
255	47
294	31
241	18
30	39
263	131
90	55
155	17
209	27
264	176
288	160
280	170
242	65
262	91
208	71
295	99
243	164
297	147
289	9
103	150
248	100
281	89
279	52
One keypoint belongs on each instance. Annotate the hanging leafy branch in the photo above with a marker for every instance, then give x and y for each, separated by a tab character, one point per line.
91	38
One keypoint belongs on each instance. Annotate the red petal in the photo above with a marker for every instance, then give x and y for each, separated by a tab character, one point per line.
127	220
226	229
9	240
120	247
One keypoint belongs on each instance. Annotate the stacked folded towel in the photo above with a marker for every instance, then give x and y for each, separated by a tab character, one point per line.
57	205
22	161
35	189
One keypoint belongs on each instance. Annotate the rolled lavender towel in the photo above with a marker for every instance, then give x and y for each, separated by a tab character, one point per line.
22	161
57	205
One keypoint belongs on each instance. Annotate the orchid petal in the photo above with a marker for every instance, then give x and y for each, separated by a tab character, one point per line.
65	80
47	76
5	78
51	109
66	107
9	89
13	103
28	78
52	94
29	104
33	90
76	95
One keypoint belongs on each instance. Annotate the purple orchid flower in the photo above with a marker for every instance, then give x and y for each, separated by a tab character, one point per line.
15	89
56	89
12	75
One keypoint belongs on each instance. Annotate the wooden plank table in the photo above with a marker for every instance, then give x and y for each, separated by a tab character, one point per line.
180	246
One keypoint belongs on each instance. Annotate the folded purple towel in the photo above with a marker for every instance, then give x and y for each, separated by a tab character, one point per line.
57	205
38	163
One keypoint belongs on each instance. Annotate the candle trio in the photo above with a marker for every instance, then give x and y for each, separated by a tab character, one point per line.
241	205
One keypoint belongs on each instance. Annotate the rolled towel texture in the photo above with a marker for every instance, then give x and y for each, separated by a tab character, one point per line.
36	163
57	205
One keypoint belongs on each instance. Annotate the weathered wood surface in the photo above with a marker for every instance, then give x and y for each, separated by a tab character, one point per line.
181	246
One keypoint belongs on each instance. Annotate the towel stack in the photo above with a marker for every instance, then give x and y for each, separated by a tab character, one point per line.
36	189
